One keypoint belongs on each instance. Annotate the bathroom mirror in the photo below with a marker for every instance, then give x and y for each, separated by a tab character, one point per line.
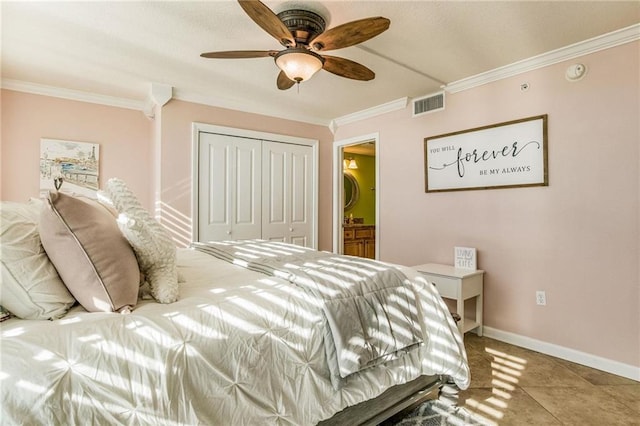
351	191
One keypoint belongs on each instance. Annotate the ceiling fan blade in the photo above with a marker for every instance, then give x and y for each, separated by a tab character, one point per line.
347	68
284	82
240	54
349	34
268	21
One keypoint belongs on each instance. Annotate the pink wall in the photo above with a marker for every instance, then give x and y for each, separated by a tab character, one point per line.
123	135
130	147
177	118
577	239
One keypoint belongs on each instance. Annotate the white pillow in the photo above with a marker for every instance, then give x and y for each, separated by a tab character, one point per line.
31	287
151	242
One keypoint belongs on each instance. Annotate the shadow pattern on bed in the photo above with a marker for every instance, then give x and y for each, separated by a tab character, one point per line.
239	347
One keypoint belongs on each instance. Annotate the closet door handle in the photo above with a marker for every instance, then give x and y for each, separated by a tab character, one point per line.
290	229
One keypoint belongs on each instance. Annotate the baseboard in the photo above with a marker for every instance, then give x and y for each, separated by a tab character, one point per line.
583	358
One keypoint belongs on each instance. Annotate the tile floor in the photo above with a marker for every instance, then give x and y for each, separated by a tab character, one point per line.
515	386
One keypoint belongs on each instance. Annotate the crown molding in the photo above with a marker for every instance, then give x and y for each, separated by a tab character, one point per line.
146	106
606	41
70	94
243	106
159	95
368	113
613	39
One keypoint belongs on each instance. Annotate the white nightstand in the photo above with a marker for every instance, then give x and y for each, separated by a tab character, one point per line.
458	284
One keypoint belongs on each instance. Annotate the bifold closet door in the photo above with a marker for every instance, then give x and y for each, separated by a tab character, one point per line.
287	193
229	188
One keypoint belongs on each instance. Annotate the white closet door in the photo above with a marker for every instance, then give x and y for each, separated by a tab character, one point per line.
287	194
229	199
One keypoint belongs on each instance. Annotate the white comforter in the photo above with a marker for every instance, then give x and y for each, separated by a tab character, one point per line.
238	348
369	307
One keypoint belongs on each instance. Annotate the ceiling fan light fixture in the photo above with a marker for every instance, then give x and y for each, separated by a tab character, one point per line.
299	64
301	32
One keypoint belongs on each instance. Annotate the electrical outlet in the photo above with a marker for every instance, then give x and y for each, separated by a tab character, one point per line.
541	297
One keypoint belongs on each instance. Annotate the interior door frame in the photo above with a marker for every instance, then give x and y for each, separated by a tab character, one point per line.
197	128
338	188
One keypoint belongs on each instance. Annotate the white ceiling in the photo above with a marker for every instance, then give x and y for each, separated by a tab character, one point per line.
119	48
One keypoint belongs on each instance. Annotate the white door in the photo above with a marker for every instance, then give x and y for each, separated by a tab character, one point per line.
229	198
287	193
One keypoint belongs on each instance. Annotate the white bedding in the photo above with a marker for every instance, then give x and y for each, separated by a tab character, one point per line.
368	306
238	348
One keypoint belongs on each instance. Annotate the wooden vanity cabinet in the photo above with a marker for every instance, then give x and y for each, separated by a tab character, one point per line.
360	240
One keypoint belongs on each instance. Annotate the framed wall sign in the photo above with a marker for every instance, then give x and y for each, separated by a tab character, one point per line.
504	155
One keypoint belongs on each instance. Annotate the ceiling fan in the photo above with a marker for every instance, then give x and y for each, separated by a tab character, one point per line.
303	35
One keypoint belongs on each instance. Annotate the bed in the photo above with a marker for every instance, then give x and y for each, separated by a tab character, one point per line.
236	347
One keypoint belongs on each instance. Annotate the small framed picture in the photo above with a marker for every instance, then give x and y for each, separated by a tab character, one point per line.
465	258
76	165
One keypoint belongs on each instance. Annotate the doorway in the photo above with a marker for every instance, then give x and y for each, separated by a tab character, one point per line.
364	148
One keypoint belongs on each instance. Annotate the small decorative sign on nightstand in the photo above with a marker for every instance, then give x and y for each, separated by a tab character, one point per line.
464	258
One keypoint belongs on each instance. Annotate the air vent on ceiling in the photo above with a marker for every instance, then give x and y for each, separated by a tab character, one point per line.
427	104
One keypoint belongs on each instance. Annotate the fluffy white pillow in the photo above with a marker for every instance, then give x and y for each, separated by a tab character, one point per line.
31	287
151	242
